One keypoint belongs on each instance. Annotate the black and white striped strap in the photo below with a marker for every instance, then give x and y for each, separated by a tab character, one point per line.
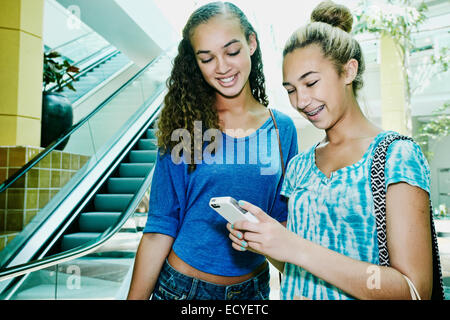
377	180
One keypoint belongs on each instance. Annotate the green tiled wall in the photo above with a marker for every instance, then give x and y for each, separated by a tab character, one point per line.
21	202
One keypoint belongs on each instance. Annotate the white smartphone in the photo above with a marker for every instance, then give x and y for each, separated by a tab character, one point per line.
230	209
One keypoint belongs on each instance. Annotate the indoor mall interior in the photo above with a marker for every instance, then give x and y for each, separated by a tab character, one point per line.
83	84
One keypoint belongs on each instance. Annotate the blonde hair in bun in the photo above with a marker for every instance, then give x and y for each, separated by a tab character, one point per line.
335	14
330	29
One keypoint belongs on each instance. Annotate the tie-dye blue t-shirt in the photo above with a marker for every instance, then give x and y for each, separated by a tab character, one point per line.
338	212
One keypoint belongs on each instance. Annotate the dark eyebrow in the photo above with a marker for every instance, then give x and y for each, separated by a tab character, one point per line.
231	42
301	77
226	45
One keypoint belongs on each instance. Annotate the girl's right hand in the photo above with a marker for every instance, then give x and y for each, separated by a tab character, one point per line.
268	237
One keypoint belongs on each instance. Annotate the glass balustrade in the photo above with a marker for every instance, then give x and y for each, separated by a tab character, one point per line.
26	203
102	274
82	47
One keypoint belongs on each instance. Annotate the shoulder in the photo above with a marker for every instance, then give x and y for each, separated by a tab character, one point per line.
286	127
170	160
405	162
301	161
163	156
283	120
406	153
403	150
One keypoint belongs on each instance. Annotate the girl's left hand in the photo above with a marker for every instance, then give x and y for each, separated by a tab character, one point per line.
268	237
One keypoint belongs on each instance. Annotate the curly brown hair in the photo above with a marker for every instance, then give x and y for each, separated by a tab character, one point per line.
190	98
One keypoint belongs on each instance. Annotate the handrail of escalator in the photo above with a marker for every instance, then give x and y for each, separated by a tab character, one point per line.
81	250
88	68
76	63
17	175
85	69
84	35
110	53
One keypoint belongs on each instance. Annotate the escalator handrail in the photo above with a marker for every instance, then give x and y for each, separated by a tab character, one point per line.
18	174
82	250
111	52
58	47
85	70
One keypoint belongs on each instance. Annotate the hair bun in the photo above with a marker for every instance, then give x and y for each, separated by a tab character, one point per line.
334	14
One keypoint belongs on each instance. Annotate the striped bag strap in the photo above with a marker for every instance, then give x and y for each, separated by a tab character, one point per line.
377	180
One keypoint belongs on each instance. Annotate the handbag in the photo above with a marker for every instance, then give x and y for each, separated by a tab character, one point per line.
377	179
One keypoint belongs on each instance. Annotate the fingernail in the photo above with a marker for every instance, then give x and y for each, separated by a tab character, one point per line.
244	243
241	203
242	249
232	226
239	235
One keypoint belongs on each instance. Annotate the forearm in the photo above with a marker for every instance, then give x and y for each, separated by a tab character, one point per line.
276	263
360	279
150	256
408	243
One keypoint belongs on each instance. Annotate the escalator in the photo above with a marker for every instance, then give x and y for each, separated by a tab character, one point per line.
81	244
97	60
96	74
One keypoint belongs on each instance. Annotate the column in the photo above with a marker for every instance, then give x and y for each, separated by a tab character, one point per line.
21	72
394	106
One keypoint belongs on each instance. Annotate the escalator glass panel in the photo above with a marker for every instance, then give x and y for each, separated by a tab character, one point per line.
25	204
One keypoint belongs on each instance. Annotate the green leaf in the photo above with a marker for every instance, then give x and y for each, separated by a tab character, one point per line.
70	86
53	54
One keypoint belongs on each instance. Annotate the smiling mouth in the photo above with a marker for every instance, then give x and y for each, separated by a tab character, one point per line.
226	81
315	111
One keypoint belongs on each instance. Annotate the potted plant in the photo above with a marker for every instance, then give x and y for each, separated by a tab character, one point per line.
57	113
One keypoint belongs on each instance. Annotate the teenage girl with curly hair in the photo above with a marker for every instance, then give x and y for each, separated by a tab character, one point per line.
217	83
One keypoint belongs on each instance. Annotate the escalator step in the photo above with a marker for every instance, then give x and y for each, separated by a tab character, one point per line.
124	185
73	240
112	202
143	156
147	144
97	221
135	169
151	134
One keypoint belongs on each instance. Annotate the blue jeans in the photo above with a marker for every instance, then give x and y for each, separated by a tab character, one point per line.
173	285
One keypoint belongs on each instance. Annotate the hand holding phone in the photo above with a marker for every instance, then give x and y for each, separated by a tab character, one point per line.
229	208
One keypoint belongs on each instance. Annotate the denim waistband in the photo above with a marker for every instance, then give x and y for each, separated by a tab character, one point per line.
174	284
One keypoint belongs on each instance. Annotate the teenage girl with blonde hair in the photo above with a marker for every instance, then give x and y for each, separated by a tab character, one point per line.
330	249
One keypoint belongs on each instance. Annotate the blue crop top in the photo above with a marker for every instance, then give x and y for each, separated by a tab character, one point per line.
245	168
